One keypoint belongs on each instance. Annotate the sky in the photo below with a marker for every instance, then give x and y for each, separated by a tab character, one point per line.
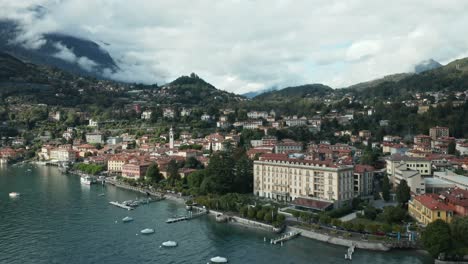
250	45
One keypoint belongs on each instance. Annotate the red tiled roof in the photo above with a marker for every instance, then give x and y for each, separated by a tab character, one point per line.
432	202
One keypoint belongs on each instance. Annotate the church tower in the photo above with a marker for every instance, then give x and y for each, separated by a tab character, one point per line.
171	138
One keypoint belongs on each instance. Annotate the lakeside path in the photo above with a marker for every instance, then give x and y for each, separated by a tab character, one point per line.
236	220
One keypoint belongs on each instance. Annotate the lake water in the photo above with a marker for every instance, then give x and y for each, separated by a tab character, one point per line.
58	220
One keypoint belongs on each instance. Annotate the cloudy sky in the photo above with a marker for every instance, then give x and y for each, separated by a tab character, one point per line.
245	45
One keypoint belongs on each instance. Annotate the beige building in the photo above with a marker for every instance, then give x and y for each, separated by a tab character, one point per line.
436	132
280	178
63	154
420	164
115	164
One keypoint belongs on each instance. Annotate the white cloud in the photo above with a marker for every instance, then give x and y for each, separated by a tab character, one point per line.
249	45
68	55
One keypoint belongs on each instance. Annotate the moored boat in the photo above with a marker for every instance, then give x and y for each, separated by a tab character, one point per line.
88	180
219	259
14	194
127	219
169	244
147	231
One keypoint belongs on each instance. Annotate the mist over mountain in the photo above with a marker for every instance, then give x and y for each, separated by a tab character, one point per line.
70	53
426	66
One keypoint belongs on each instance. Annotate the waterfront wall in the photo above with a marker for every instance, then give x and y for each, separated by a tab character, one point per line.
437	261
341	241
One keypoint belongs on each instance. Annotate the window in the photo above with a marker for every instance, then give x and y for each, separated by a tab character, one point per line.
438	214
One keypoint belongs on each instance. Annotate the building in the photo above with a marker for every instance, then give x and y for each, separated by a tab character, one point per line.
363	180
168	113
63	154
185	111
427	208
205	117
115	163
420	164
94	138
462	147
438	131
280	178
422	140
365	134
135	170
412	177
146	115
257	114
459	181
114	140
288	145
93	123
296	122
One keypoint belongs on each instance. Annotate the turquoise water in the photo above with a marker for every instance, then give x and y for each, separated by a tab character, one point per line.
58	220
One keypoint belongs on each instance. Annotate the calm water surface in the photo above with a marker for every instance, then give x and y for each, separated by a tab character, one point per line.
58	220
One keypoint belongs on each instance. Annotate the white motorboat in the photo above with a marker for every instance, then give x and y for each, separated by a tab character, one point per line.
147	231
88	180
14	194
219	259
127	219
169	244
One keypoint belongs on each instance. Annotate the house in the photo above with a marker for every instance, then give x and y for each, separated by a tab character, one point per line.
93	123
146	115
365	134
462	147
185	111
420	164
205	117
135	170
168	113
427	208
114	140
94	138
288	145
257	114
63	154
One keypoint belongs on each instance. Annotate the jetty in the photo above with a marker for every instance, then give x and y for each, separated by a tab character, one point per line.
285	237
121	205
349	253
190	216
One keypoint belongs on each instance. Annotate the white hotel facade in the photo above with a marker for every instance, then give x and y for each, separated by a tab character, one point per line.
280	178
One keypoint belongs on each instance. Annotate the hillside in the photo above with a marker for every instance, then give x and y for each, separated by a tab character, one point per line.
193	90
72	54
389	78
302	91
451	77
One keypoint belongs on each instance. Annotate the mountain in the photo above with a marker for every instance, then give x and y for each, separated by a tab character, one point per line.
73	54
389	78
193	90
426	66
302	91
253	94
451	77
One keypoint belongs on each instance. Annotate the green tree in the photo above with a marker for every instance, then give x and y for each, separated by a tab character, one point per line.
153	174
386	188
173	172
403	192
451	148
436	238
459	228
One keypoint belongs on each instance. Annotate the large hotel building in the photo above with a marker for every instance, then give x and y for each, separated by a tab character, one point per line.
281	178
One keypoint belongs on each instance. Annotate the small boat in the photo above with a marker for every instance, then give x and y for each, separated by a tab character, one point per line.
147	231
169	244
14	194
101	194
220	218
127	219
88	180
219	259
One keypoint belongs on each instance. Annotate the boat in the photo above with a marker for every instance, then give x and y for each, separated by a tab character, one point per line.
220	218
88	180
169	244
219	259
14	194
147	231
127	219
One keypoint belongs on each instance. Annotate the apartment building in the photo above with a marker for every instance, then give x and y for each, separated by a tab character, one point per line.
281	178
436	132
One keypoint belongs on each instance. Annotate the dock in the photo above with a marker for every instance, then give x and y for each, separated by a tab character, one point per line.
190	216
285	237
122	205
349	253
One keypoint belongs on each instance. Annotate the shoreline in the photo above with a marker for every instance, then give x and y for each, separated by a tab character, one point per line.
239	221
